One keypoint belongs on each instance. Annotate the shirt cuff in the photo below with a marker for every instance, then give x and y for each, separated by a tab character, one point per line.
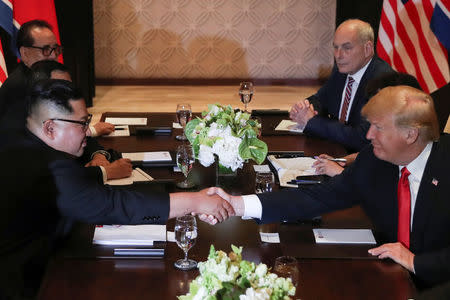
252	207
104	175
93	131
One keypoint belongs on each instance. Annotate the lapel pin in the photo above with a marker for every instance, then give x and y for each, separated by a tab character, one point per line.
434	181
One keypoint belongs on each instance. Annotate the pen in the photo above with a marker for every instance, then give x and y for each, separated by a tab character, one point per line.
302	181
138	252
119	128
333	159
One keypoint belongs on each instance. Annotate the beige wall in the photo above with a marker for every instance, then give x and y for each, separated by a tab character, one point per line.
284	39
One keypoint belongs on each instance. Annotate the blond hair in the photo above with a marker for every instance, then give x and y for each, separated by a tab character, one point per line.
410	107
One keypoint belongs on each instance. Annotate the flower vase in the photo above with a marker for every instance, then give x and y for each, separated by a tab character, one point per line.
225	177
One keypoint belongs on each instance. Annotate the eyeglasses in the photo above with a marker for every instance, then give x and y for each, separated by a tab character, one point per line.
85	124
47	50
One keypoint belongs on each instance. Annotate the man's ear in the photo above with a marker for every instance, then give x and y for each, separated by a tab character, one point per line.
23	55
411	135
49	129
368	49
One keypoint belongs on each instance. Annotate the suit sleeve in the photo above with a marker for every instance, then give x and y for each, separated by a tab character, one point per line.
353	137
82	198
302	203
433	267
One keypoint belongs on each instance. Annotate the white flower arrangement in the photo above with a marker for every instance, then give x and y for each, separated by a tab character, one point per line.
225	276
229	134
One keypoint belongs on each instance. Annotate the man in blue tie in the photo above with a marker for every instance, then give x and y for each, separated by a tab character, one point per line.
334	112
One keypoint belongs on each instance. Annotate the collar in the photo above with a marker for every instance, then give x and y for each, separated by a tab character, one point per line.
417	166
358	75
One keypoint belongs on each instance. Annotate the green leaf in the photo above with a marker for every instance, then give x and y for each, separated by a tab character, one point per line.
190	127
253	148
212	252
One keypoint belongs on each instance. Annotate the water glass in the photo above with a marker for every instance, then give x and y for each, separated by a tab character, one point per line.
264	182
246	91
185	161
185	236
184	115
286	266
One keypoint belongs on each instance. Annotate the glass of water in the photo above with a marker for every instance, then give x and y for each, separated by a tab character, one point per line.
185	160
264	182
246	91
184	115
185	235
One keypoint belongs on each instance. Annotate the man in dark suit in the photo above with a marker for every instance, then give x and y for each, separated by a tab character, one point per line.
410	212
41	182
36	42
334	112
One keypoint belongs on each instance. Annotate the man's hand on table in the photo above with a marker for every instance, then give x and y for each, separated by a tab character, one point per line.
120	168
302	112
97	161
397	252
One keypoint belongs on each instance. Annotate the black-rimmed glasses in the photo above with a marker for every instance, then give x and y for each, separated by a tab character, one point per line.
47	50
85	124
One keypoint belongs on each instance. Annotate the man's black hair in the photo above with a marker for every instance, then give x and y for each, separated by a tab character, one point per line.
24	36
54	92
43	69
391	79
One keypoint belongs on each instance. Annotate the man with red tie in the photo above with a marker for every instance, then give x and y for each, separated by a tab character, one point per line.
334	111
401	181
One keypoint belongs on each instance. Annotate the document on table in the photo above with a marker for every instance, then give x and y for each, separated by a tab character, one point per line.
134	235
126	121
148	156
120	130
289	168
288	125
137	175
343	236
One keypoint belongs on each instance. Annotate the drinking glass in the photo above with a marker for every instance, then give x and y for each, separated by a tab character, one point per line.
286	266
246	91
185	160
264	182
185	235
184	115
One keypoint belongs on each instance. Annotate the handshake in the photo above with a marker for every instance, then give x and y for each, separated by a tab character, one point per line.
212	205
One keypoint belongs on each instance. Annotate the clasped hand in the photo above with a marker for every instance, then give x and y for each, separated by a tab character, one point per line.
302	112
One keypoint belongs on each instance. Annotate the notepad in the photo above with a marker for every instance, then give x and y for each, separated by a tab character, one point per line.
288	125
289	168
126	121
343	236
137	175
134	235
148	156
120	130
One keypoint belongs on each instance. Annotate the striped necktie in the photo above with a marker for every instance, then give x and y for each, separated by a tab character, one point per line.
347	98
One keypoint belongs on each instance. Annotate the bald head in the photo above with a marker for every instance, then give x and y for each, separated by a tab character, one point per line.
353	46
409	107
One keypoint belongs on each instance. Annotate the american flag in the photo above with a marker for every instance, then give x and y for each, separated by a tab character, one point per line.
3	71
13	13
408	43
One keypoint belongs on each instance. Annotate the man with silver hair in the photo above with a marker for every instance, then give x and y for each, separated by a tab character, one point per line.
334	111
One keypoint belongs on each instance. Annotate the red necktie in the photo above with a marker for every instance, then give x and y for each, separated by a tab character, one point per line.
347	98
404	208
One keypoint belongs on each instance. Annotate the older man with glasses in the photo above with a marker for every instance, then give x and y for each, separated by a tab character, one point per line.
36	42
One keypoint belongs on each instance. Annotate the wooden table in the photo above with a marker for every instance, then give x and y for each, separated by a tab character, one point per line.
326	271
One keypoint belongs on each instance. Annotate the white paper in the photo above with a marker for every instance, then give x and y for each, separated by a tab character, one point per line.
288	125
148	156
343	236
270	237
171	236
135	235
126	121
261	168
176	169
177	125
120	130
136	175
289	168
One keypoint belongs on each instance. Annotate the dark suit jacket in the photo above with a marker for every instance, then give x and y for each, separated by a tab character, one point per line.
327	102
372	183
40	186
